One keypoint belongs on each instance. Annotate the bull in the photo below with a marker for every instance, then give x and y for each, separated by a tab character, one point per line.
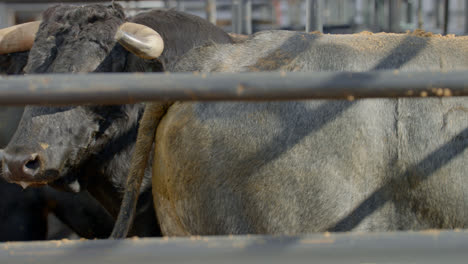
89	147
300	167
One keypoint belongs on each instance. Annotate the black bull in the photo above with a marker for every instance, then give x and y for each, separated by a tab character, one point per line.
25	214
89	147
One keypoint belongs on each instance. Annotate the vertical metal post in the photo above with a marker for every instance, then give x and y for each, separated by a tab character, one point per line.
353	11
274	13
466	17
3	15
329	11
348	11
420	14
340	13
370	13
247	14
167	3
7	16
377	13
211	11
365	11
394	16
446	17
237	16
180	5
437	13
409	12
314	15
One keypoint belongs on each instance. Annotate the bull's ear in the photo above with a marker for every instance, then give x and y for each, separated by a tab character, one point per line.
18	38
13	63
140	40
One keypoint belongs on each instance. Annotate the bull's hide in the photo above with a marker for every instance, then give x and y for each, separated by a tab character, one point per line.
306	166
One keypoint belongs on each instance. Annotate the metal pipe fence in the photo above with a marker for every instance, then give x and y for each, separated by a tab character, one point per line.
126	88
398	247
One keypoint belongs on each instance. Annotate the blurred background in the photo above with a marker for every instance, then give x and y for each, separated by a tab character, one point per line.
249	16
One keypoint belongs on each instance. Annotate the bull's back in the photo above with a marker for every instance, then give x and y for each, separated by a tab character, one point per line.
294	51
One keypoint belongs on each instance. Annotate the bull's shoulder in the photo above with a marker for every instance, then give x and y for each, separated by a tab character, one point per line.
179	26
181	32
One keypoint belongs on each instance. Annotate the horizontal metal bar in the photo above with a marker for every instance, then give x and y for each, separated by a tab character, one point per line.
400	247
131	87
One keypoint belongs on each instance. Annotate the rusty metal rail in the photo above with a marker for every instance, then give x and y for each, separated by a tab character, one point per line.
123	88
399	247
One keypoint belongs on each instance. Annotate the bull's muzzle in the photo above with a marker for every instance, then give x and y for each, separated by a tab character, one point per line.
21	168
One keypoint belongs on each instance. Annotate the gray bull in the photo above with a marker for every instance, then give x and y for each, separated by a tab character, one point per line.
309	166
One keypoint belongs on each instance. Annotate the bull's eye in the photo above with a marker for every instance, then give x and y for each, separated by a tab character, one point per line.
92	19
94	134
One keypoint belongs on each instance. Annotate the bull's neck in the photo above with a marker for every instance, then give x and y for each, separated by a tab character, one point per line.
107	172
107	195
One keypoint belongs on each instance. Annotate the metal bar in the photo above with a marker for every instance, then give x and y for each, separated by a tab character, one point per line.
446	17
466	17
394	15
438	20
130	88
180	5
398	247
247	14
379	7
420	14
409	12
237	16
211	11
314	15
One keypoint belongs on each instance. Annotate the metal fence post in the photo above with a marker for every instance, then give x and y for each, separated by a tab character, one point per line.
211	11
420	14
180	5
314	15
409	12
379	7
237	16
466	17
394	16
242	16
7	17
247	15
446	17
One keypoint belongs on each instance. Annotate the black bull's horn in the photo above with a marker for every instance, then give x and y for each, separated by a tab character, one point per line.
140	40
18	38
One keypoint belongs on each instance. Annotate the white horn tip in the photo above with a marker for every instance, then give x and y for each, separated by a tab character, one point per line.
141	40
24	184
75	186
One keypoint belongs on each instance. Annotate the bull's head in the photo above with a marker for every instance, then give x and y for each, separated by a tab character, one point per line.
52	143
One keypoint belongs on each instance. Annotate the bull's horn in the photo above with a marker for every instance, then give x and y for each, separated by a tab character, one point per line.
140	40
18	38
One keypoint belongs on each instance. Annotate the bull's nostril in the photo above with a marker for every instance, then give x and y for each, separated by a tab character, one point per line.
34	163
